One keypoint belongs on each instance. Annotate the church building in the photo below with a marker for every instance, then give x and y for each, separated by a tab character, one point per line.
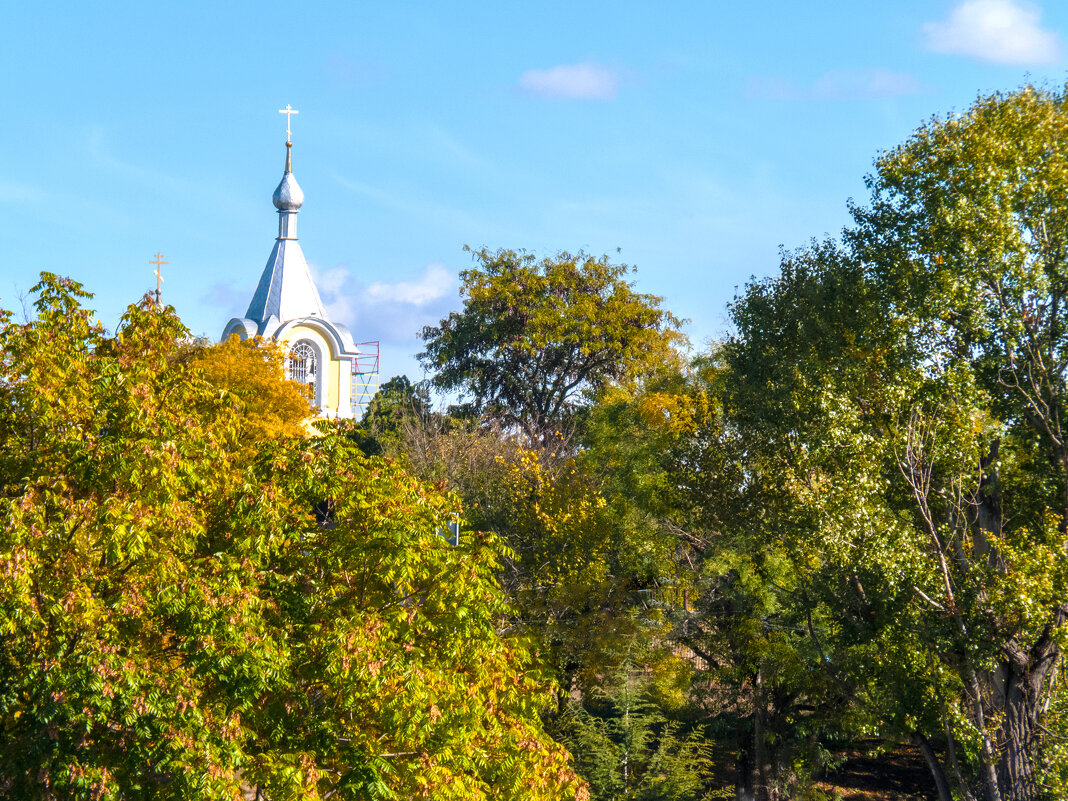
286	307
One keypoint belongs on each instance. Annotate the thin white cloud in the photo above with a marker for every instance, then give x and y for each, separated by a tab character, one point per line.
389	311
331	281
418	206
865	84
585	81
455	151
435	283
228	295
853	84
1002	31
103	156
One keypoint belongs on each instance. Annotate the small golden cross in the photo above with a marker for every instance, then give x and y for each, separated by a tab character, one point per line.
289	111
159	262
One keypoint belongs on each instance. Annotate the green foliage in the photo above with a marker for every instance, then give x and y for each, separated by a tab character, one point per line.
682	473
397	410
581	567
627	747
563	567
573	590
903	396
537	339
176	623
569	565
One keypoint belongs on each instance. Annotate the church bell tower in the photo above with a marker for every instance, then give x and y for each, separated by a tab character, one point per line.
286	307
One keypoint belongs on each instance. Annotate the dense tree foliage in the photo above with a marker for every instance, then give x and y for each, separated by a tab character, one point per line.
907	391
582	568
396	412
850	519
537	339
175	622
567	565
252	371
628	744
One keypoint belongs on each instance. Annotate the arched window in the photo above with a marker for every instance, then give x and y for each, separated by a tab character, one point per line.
302	366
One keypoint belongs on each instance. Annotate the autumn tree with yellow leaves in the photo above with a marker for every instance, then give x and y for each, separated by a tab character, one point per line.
252	372
185	616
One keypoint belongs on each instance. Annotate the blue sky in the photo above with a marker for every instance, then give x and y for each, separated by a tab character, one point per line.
696	137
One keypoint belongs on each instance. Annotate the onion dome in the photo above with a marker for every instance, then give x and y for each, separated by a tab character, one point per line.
288	196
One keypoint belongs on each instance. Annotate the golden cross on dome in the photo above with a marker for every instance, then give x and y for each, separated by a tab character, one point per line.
289	111
159	262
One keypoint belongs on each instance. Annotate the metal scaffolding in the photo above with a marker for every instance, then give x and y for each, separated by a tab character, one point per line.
364	377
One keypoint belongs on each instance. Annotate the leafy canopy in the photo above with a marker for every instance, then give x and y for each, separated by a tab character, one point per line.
538	338
904	396
175	622
252	371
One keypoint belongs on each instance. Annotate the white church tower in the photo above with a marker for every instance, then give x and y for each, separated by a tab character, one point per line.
287	308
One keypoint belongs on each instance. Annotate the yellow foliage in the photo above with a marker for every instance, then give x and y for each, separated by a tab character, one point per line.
557	517
252	371
676	413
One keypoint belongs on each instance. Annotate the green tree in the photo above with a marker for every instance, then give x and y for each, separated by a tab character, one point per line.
396	413
537	339
627	746
582	567
679	474
536	346
907	392
175	622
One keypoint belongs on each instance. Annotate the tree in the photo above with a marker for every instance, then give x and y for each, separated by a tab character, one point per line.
538	338
676	468
582	565
908	389
252	370
176	622
398	409
628	747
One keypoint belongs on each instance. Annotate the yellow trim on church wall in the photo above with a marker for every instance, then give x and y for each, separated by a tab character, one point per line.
331	397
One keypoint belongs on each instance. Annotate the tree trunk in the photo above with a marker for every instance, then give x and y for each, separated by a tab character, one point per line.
759	751
744	764
939	775
1025	679
1023	698
1016	769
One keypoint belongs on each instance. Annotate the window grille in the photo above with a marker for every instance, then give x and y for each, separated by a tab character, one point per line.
302	363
